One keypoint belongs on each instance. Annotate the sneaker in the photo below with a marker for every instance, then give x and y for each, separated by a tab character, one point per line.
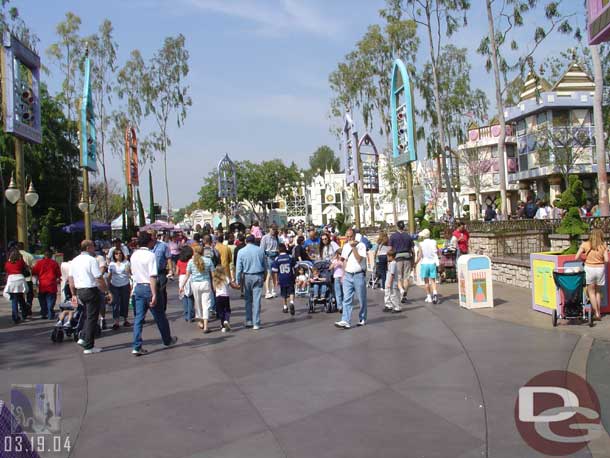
285	310
115	326
172	341
223	330
90	351
292	308
342	324
387	309
127	324
81	342
435	299
256	327
248	324
268	296
226	326
403	300
428	299
397	310
273	294
361	323
139	352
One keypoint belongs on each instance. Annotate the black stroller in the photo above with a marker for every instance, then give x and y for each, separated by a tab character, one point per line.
327	299
574	304
69	327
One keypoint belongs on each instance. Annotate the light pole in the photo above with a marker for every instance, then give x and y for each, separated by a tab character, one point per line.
87	207
227	184
30	198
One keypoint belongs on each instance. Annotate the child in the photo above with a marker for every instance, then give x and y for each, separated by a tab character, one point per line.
338	273
302	280
64	318
283	275
319	287
222	281
392	295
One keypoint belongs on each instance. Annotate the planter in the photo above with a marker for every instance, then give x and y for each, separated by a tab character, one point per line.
545	295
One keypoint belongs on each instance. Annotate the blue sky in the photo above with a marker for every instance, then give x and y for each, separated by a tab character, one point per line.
258	71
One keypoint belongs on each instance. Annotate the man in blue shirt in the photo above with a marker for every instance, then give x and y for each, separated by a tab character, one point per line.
250	271
283	271
312	244
163	256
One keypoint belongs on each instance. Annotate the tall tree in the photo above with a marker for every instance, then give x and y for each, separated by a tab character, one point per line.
151	196
68	53
165	93
323	159
498	35
600	144
141	214
440	20
103	52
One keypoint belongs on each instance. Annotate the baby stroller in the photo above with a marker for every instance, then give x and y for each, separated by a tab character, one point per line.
69	327
326	296
573	304
447	265
306	266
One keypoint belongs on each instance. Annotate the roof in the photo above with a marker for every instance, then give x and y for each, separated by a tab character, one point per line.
574	79
533	85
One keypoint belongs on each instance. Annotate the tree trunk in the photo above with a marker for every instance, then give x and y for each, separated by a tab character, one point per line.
169	211
499	107
600	146
440	122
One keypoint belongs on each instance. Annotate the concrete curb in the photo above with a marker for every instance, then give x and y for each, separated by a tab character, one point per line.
600	447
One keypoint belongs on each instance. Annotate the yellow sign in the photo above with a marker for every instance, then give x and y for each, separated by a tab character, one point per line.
545	294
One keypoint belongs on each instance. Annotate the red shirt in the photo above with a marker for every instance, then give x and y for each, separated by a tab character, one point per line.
13	268
48	273
462	238
181	267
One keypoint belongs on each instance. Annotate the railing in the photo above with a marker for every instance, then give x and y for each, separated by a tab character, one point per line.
514	225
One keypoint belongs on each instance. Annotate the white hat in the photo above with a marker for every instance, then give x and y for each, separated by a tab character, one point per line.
425	234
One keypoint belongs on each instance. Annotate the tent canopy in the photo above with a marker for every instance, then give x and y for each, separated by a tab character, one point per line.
79	226
158	226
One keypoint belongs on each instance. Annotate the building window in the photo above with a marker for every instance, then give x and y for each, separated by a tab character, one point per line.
541	119
561	118
521	127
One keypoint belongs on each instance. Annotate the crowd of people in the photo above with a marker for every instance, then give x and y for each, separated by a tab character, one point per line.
134	276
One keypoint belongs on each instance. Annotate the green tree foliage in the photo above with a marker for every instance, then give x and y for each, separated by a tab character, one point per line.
151	196
574	196
103	52
323	158
141	214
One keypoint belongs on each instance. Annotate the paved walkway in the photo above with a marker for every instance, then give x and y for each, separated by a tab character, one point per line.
433	381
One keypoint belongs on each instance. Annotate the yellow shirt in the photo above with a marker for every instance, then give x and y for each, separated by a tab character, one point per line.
594	257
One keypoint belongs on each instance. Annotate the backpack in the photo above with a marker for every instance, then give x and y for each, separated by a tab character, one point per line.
530	209
367	242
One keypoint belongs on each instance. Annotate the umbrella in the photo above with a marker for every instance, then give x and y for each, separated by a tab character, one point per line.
158	226
79	226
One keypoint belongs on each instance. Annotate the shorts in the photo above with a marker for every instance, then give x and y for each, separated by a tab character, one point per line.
403	269
428	271
595	275
287	291
269	262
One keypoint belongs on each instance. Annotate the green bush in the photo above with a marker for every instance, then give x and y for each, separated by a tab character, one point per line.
574	196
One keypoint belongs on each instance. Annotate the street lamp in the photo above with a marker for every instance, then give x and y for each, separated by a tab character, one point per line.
31	196
82	205
12	193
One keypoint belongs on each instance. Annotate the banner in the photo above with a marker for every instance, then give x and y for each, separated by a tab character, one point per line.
131	157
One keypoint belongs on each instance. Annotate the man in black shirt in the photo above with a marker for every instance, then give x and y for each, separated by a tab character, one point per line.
402	243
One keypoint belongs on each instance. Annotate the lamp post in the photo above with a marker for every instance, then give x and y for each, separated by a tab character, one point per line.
87	207
30	198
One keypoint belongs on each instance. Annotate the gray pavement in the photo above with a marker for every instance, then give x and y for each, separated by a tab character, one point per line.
433	381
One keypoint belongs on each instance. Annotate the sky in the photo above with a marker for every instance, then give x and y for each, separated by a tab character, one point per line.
258	71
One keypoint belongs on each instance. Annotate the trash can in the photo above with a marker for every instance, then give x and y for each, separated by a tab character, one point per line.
475	281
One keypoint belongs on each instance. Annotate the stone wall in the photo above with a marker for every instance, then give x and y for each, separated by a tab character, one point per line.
559	242
508	244
515	272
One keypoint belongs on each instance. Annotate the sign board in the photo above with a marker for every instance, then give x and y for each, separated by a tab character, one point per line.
20	90
369	160
227	179
131	157
88	140
352	174
403	115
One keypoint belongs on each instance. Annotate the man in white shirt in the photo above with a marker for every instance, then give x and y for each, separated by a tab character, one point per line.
86	281
144	273
354	281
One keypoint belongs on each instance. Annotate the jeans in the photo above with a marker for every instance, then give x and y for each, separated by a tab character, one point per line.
319	290
47	304
18	300
30	294
339	292
120	301
90	298
354	284
223	310
143	296
189	307
253	291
